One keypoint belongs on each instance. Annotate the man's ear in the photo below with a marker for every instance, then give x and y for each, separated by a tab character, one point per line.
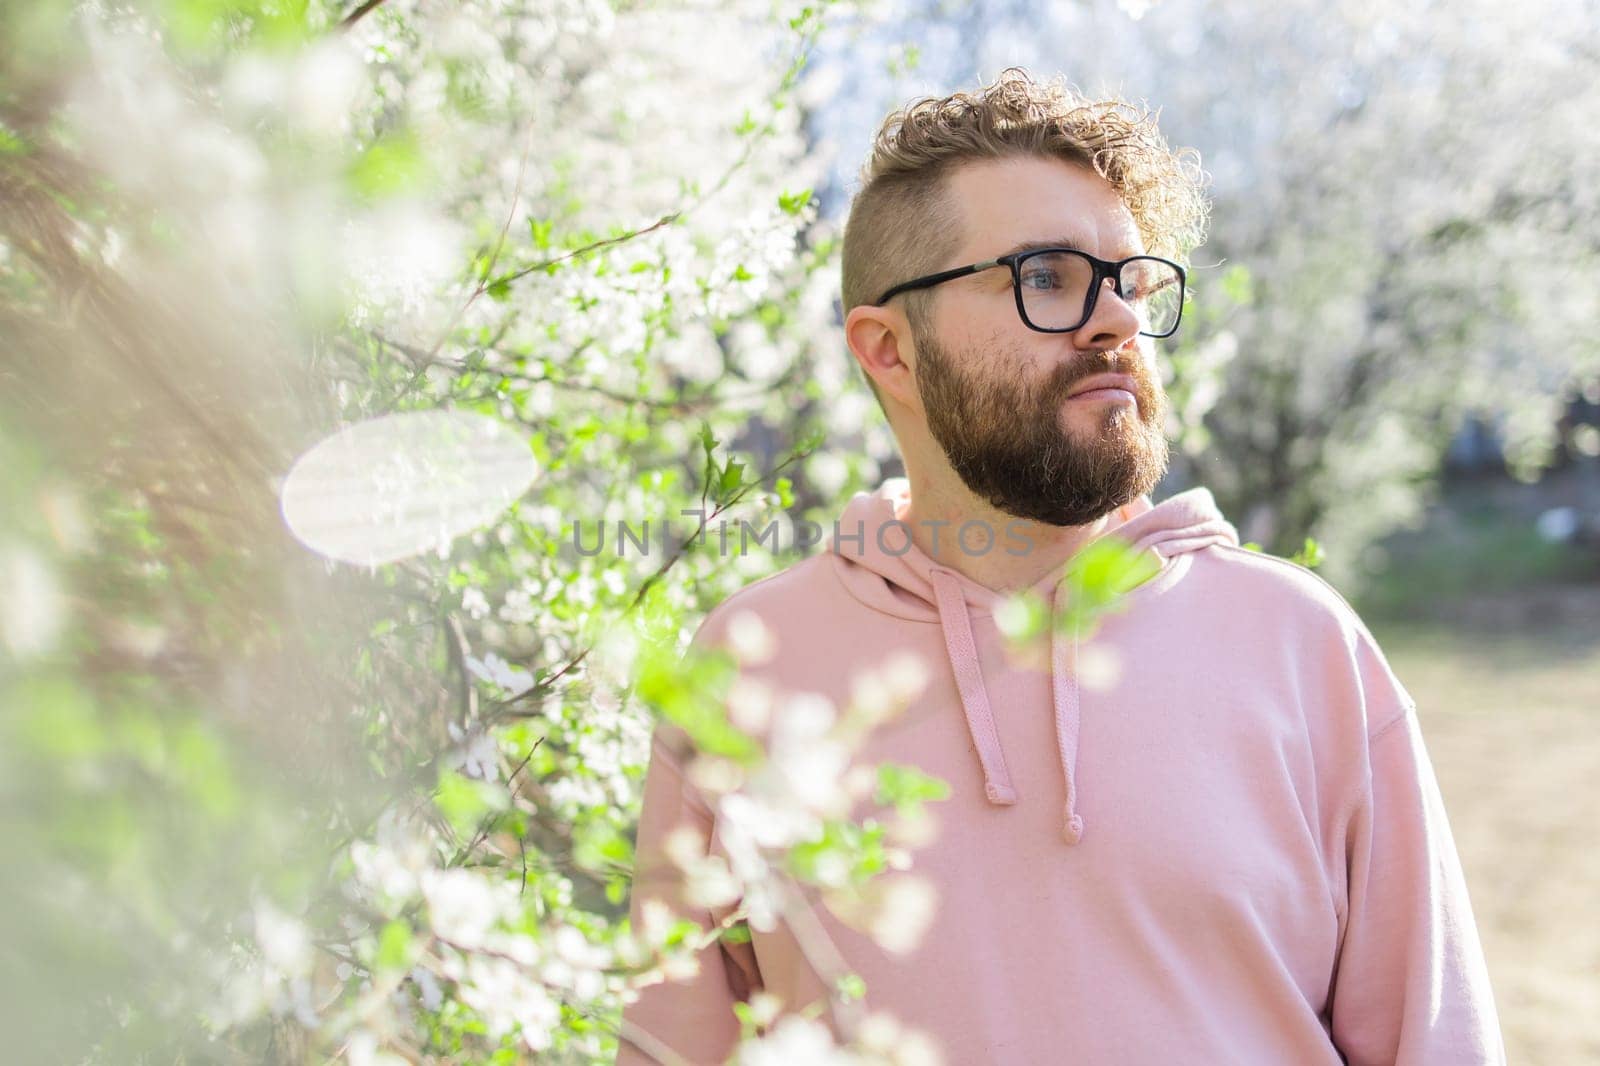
880	339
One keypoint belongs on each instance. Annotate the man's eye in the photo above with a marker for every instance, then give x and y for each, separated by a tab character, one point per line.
1039	280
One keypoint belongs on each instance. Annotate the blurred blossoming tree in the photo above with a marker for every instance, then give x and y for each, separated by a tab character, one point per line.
261	805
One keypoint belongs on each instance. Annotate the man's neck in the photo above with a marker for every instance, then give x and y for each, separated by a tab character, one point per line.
1019	552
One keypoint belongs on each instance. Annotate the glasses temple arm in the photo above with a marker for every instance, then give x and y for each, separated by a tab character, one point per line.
936	279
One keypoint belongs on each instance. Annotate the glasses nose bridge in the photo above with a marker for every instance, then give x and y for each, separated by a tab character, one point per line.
1106	270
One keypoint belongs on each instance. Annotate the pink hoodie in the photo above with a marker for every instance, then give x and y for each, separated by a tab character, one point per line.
1221	841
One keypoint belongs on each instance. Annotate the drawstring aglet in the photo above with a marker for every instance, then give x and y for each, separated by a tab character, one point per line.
1072	831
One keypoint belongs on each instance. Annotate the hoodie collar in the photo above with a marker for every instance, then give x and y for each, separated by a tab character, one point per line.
880	565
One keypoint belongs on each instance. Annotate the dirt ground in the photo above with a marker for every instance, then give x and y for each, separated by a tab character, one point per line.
1509	698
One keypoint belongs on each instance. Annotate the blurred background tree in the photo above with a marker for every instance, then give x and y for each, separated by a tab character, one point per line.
258	806
1405	229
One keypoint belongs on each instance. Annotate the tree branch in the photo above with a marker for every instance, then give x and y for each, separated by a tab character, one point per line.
358	14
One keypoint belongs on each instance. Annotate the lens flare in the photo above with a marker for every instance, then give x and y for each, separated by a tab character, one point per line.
396	486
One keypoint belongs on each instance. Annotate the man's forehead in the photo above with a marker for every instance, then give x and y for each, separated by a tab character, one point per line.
1005	205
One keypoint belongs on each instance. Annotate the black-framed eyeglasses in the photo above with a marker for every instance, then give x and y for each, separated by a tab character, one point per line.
1056	288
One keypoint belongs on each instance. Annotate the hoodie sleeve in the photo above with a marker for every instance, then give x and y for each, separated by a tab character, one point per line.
1411	986
693	1017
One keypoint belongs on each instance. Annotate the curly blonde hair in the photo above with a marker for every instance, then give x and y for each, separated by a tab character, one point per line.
902	224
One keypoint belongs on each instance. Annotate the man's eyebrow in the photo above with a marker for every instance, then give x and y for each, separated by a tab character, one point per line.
1057	242
1035	246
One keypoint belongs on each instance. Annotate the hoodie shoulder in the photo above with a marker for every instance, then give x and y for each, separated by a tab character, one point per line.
1292	604
799	590
1259	571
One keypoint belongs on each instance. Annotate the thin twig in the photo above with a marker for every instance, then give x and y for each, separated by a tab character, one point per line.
499	245
483	827
358	14
664	220
459	654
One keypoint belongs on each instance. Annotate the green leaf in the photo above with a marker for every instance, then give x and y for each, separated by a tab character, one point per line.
11	143
747	1019
58	720
1237	285
1021	616
394	947
856	850
708	444
792	203
907	788
598	845
1098	579
465	801
906	62
390	166
730	481
687	689
1310	556
207	25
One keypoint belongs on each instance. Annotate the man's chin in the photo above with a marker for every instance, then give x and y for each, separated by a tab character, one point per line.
1045	504
1107	460
1117	428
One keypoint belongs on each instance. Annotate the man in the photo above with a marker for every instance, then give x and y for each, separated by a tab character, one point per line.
1218	838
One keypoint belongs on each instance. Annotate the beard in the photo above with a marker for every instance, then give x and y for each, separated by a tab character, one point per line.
1005	435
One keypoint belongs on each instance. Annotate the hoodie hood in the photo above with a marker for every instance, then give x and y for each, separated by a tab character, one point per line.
886	571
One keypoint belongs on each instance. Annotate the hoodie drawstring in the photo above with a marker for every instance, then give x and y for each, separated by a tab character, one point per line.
1064	694
956	622
957	626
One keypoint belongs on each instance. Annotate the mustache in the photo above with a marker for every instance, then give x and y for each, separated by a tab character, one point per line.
1066	376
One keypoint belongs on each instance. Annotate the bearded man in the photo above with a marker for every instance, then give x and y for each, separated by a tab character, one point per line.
1208	832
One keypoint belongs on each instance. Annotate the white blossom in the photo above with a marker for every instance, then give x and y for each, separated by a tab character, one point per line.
794	1040
495	670
465	906
34	611
507	998
750	639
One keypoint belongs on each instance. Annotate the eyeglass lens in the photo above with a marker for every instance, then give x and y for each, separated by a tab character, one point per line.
1056	289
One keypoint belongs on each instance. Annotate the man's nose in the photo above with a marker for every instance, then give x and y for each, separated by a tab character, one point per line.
1112	323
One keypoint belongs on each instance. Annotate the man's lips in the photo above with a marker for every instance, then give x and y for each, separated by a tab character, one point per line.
1115	395
1105	387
